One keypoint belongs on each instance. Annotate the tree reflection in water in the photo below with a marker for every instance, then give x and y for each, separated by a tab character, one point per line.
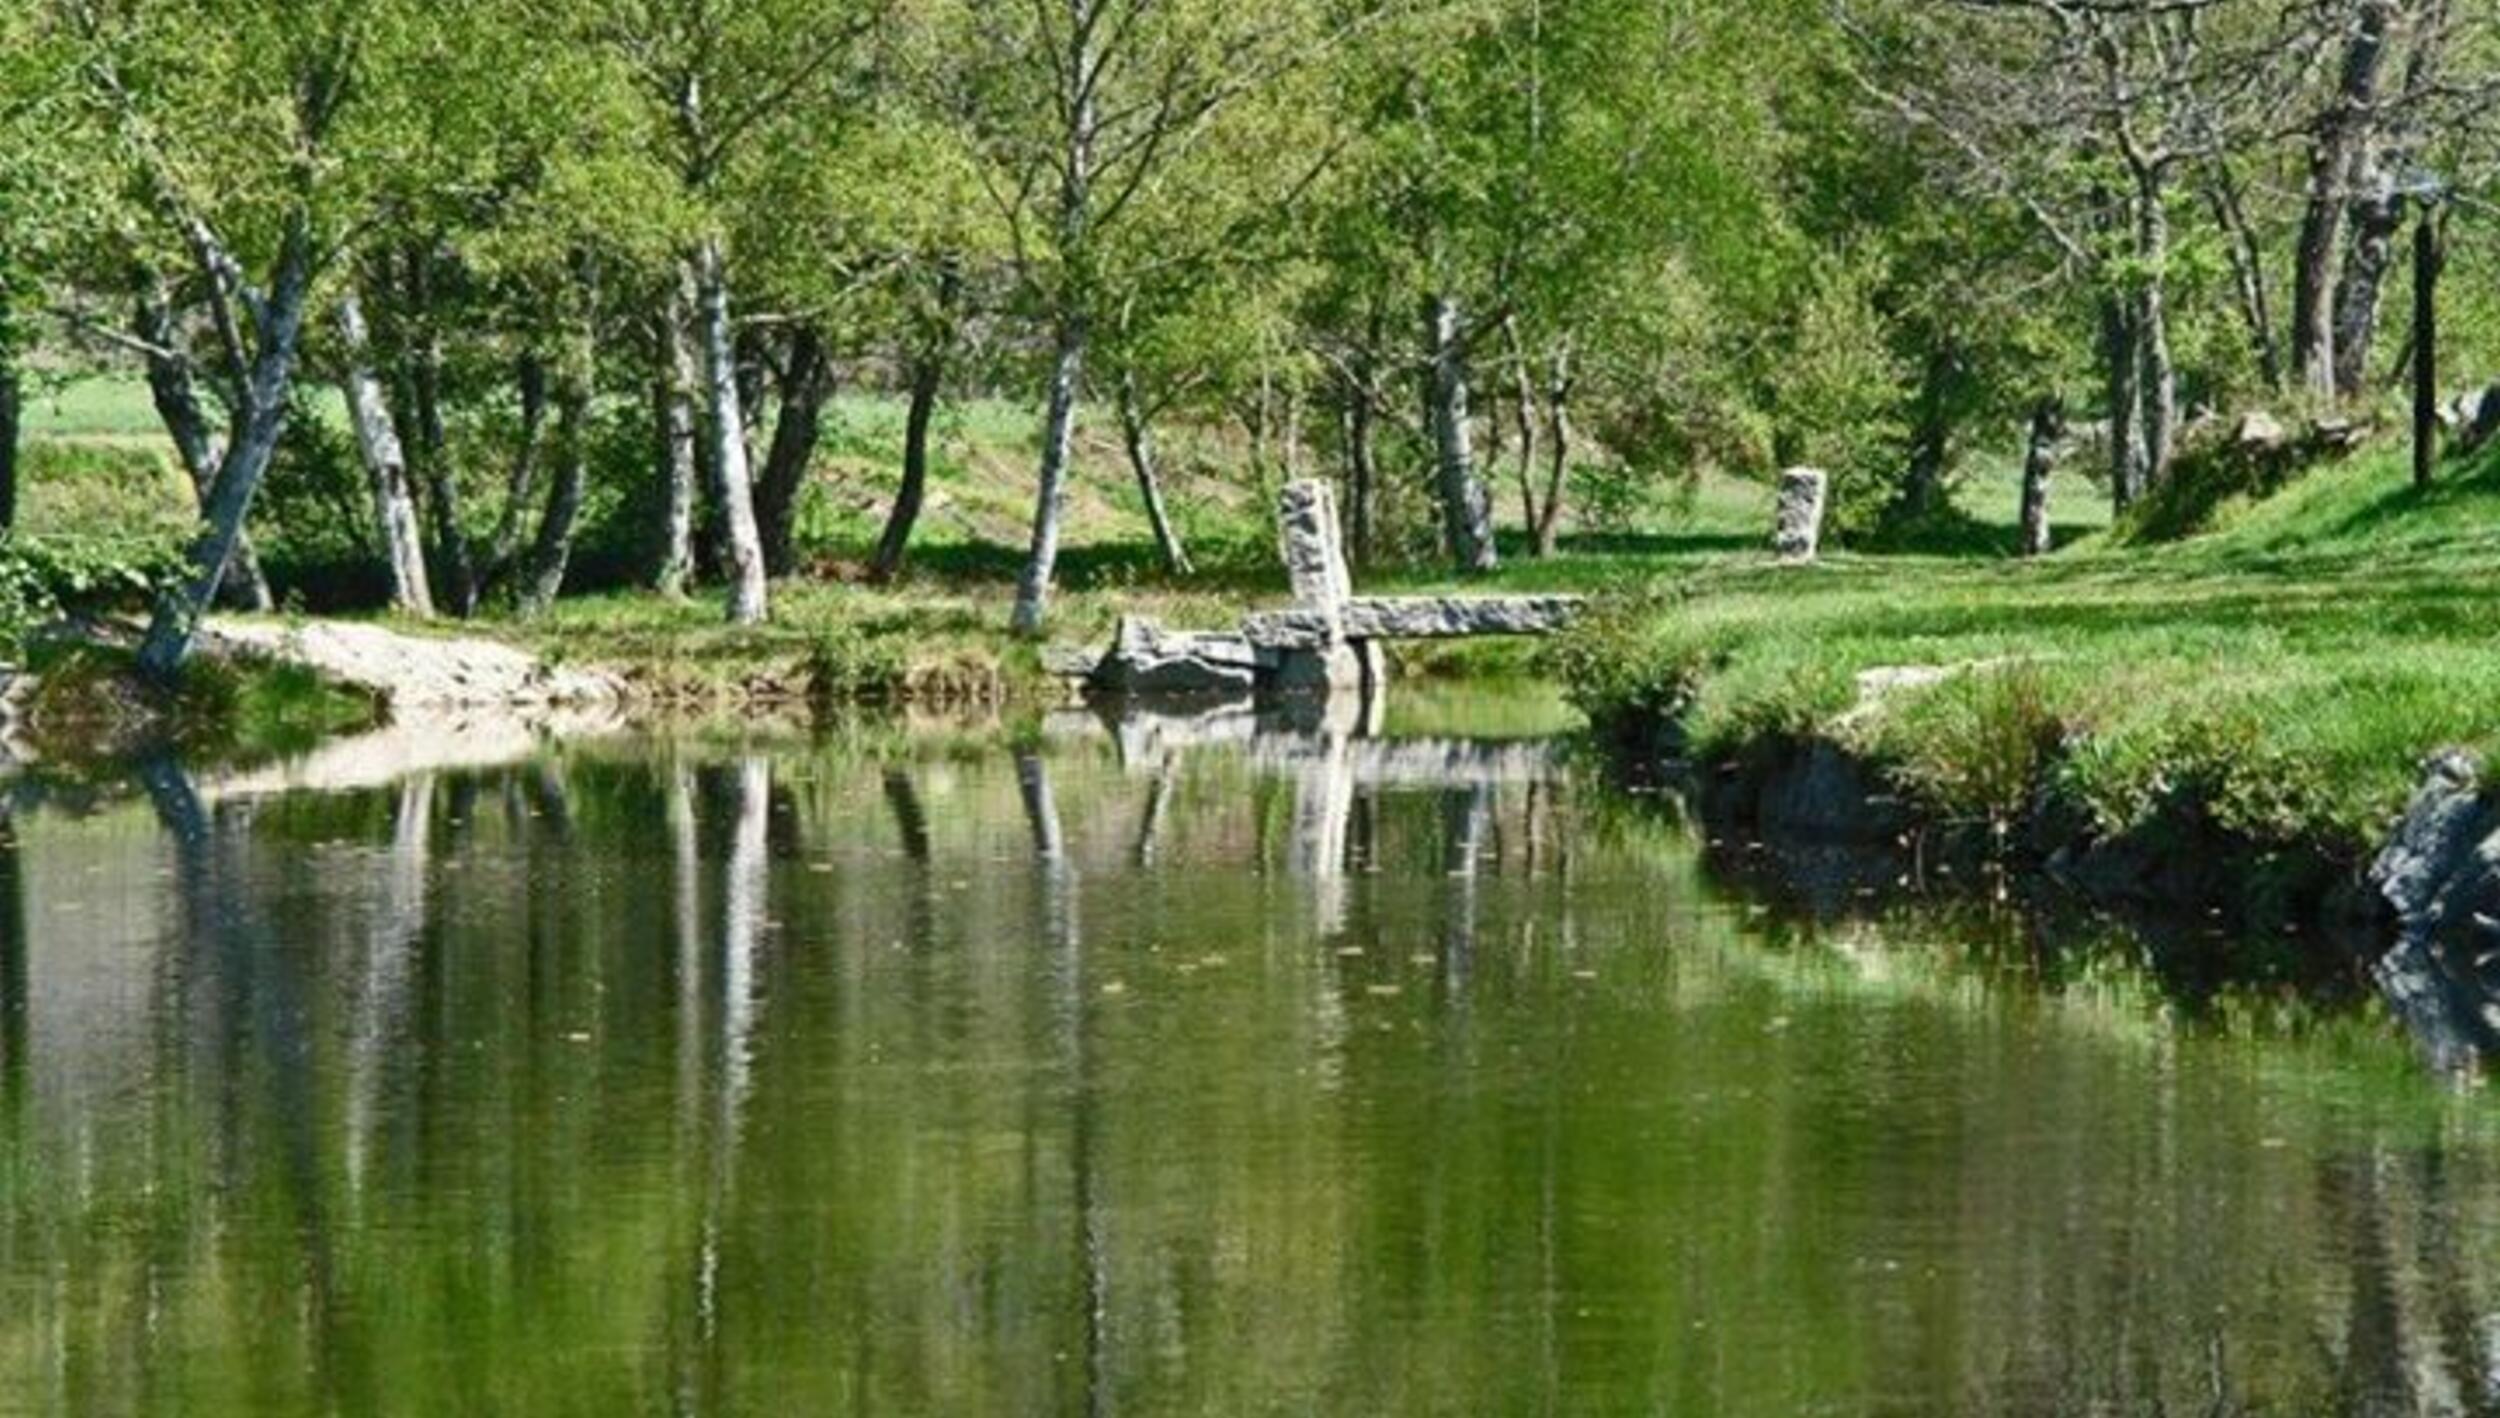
1361	1074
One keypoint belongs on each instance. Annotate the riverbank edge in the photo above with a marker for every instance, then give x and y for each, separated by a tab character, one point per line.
260	687
2413	917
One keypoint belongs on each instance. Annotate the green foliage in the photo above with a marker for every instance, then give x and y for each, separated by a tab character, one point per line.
1835	396
1983	740
849	663
45	578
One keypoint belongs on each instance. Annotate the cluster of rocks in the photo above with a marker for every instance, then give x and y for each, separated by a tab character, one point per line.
2260	434
2439	874
2471	418
411	672
1146	660
1328	640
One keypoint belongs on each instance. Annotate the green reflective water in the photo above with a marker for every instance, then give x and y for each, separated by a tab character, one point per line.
1285	1074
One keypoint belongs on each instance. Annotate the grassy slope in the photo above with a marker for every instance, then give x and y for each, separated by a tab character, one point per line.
2285	672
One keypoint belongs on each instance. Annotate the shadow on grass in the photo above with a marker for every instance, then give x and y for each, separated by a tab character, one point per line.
1645	544
2454	483
1216	565
1950	531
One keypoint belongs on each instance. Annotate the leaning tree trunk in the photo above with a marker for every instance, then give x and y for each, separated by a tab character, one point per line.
1548	527
264	386
1138	437
744	548
806	384
927	380
928	375
2048	425
673	396
198	446
1067	374
1466	512
386	467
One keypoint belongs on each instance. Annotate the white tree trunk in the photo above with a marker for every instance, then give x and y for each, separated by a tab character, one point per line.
729	446
1466	509
386	466
678	377
265	385
1067	374
2048	425
2161	374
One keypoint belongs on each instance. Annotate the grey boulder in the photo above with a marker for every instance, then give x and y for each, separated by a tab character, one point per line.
1146	659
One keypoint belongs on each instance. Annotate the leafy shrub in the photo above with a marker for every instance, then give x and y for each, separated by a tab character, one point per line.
44	578
1620	669
849	662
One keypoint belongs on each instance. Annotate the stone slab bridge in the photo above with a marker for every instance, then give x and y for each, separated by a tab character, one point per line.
1328	640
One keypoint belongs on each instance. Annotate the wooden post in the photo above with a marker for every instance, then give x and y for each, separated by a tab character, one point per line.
2426	258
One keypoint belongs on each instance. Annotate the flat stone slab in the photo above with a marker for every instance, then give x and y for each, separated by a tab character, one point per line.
1071	661
412	671
1412	618
1145	659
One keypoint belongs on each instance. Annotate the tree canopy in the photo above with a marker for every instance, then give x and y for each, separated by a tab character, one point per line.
596	271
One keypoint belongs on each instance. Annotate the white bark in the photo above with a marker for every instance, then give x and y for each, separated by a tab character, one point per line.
729	448
386	465
1466	509
678	378
266	376
1080	72
1067	374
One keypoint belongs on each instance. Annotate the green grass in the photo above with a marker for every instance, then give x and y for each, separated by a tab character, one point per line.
91	407
2284	674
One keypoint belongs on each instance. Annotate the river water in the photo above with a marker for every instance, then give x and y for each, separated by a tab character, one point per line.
1179	1068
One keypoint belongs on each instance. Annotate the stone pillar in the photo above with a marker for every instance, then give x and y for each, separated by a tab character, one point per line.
1797	528
1315	566
1314	551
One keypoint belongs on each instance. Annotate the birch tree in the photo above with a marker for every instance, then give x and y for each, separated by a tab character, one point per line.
234	119
1082	110
719	85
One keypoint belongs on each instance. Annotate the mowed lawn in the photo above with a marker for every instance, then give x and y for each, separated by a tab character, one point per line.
2288	669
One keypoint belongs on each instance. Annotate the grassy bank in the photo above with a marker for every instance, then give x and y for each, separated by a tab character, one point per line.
2279	677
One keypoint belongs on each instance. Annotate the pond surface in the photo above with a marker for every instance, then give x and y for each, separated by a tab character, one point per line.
1280	1072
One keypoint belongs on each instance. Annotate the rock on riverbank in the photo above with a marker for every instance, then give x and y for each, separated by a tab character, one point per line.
413	672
